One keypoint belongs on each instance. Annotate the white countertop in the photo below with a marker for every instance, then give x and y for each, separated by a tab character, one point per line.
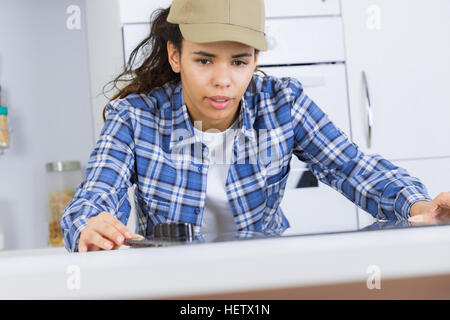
225	266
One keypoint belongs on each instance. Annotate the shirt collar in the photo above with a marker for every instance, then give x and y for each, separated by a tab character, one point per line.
183	130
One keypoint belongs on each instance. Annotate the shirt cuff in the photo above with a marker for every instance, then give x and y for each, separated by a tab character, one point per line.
78	224
407	197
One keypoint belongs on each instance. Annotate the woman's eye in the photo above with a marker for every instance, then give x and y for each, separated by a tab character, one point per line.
239	63
203	61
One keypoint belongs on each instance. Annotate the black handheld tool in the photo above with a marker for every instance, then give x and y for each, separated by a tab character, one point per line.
166	234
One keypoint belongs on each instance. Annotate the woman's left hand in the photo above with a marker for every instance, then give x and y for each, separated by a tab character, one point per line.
431	212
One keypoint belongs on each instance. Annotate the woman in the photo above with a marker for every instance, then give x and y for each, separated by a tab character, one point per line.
207	141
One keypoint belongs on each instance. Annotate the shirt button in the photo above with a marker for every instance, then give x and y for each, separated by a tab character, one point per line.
200	168
197	210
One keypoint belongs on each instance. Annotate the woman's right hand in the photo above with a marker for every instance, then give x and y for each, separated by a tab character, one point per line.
103	231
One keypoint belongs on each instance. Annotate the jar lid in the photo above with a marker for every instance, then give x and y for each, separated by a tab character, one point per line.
3	111
60	166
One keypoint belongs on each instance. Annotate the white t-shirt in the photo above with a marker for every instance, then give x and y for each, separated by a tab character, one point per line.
217	215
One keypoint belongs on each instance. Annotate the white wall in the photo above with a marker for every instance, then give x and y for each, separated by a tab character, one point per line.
45	80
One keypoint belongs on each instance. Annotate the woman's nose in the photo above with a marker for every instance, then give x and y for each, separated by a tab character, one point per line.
222	76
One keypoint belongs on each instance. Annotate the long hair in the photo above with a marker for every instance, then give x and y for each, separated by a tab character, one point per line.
155	70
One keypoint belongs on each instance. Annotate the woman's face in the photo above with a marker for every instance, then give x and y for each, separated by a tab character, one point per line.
214	77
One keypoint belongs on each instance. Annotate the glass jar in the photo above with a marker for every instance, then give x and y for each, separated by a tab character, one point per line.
62	181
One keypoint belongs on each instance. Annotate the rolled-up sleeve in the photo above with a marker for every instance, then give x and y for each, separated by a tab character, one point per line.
109	174
373	183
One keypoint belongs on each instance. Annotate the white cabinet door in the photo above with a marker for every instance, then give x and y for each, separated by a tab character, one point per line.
303	40
318	209
434	173
403	46
325	84
290	8
291	41
140	10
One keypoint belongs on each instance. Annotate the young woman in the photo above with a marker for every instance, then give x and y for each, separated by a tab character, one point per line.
208	141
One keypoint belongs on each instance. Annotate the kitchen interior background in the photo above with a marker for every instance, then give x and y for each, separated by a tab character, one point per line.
56	56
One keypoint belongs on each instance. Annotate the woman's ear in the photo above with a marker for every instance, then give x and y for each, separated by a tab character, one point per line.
174	57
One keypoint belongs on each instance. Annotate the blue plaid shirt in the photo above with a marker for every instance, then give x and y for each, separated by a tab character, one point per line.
148	140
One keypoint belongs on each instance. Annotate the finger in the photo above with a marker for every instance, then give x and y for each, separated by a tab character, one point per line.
92	247
137	237
108	231
118	225
82	247
416	219
98	240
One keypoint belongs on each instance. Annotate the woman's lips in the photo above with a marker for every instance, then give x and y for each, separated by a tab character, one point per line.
219	102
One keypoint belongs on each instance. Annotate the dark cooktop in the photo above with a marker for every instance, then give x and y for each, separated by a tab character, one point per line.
172	234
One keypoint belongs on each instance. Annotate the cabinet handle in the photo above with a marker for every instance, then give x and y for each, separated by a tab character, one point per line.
369	110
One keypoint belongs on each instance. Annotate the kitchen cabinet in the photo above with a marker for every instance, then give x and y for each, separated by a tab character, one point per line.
320	40
403	47
318	209
291	41
325	84
303	40
139	10
295	8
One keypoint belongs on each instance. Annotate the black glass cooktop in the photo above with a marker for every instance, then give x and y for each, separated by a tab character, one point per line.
182	233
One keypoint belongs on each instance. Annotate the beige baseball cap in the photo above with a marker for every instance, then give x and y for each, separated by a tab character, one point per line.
202	21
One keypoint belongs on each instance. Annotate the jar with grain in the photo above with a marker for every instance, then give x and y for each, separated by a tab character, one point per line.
62	181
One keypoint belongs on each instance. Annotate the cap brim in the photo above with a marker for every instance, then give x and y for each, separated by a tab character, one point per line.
212	32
